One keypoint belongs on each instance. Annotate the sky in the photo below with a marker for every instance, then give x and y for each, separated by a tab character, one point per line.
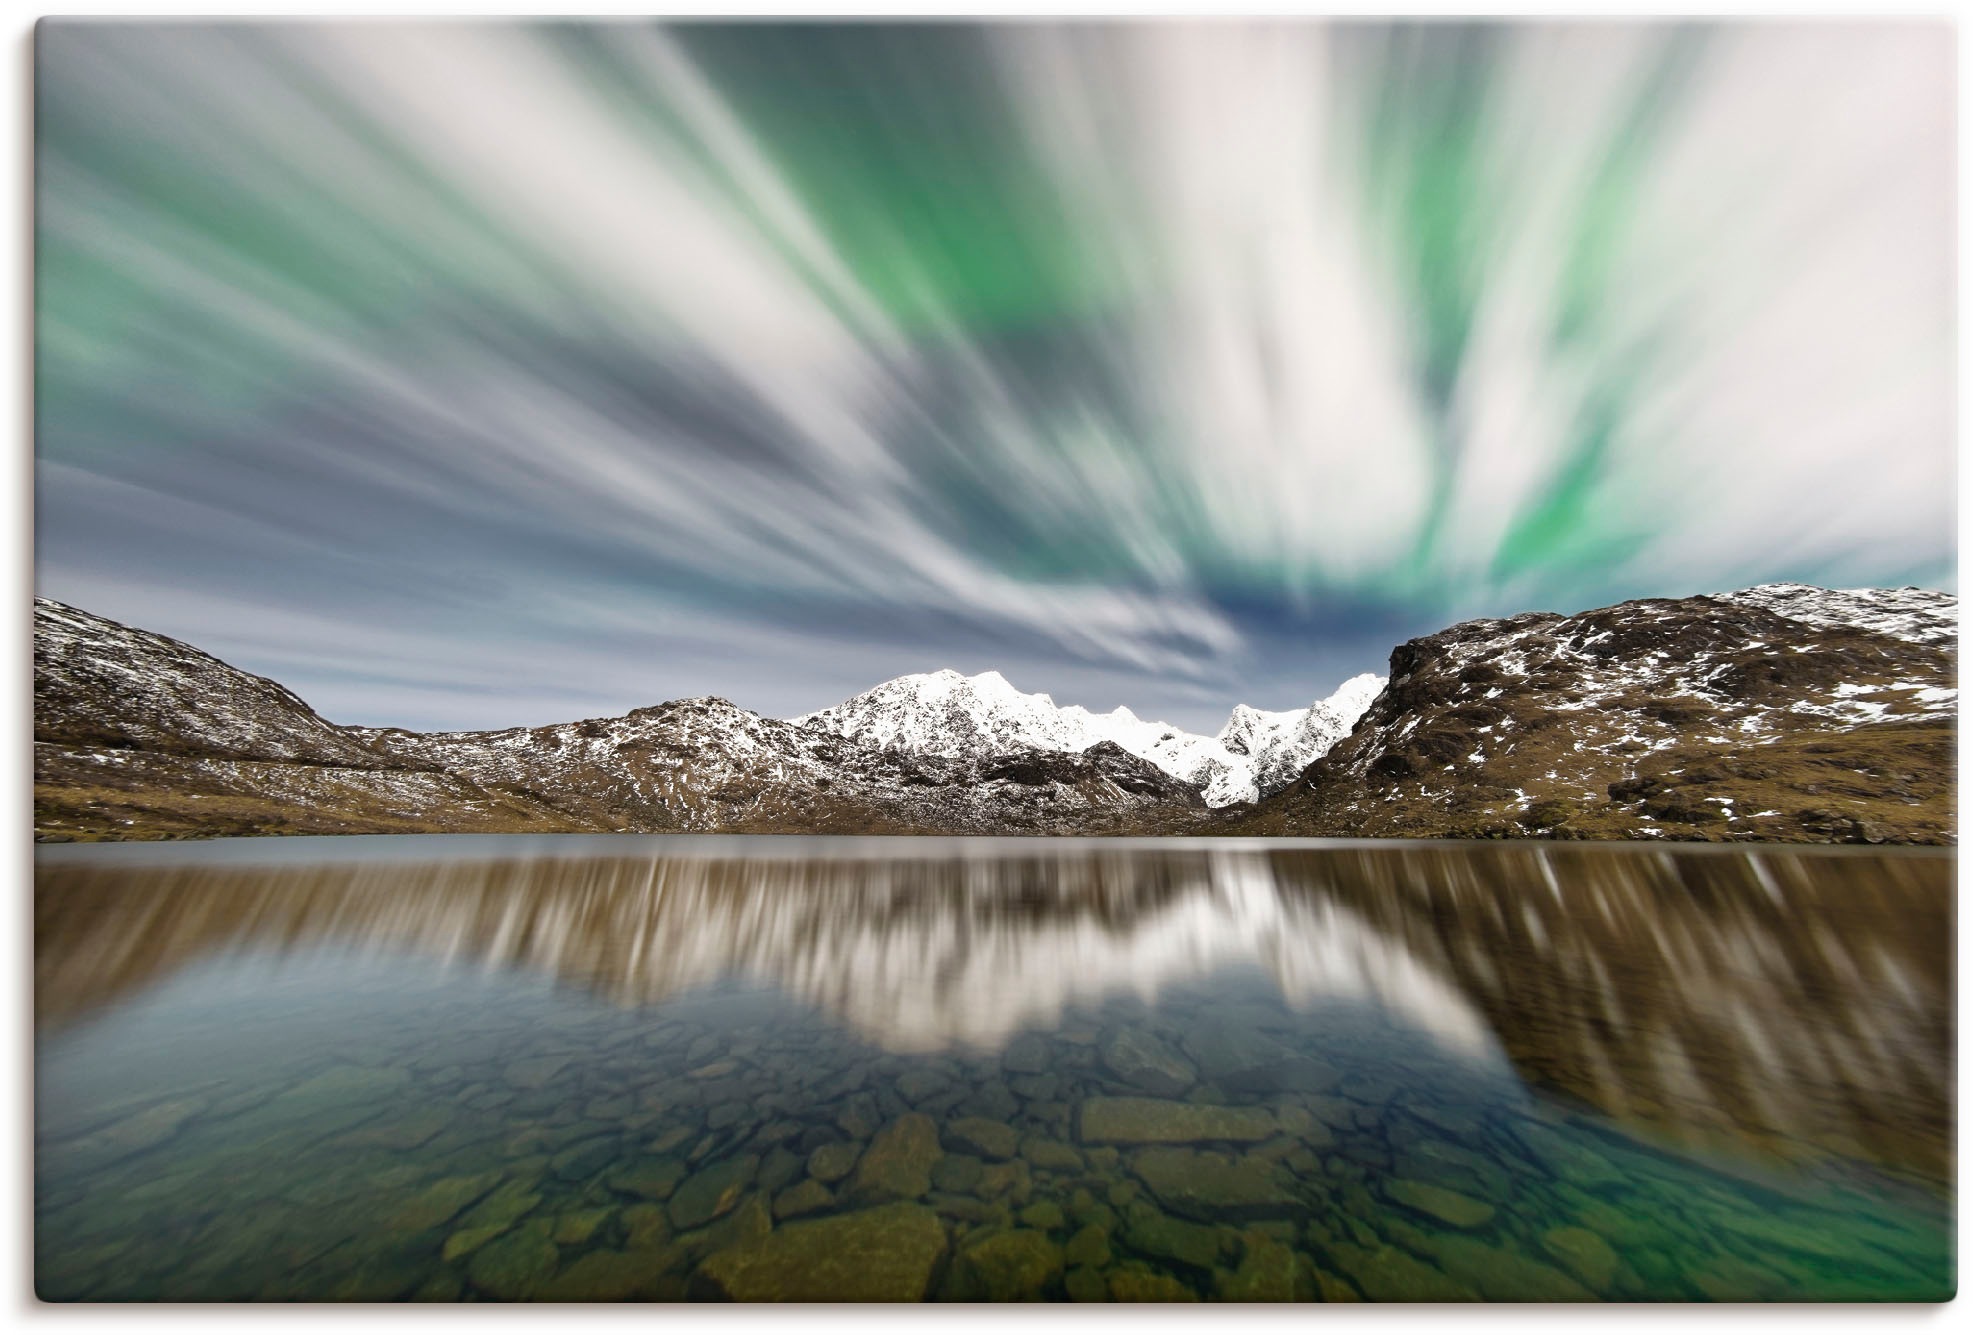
480	374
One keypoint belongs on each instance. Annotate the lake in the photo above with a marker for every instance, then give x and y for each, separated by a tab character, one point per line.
605	1068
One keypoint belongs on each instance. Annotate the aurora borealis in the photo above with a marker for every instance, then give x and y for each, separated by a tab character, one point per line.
476	374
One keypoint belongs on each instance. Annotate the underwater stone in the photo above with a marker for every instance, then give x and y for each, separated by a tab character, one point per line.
806	1197
1161	1121
1011	1179
1392	1275
921	1083
1027	1055
1084	1284
832	1162
1157	1234
711	1191
609	1276
1266	1274
1009	1267
441	1200
576	1227
1447	1206
1507	1277
1052	1155
1089	1247
584	1159
898	1164
1139	1057
982	1136
533	1072
886	1254
958	1172
511	1200
1142	1286
1044	1215
646	1226
512	1267
1584	1253
654	1179
1210	1185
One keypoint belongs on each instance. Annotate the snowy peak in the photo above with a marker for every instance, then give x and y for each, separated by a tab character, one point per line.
947	714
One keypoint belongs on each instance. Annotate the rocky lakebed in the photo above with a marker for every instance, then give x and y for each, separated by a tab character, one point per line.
334	1115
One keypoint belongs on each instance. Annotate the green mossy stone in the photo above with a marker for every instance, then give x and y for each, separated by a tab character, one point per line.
1085	1284
1446	1206
576	1227
1090	1246
1267	1272
833	1162
1209	1185
1142	1286
466	1241
898	1165
1015	1266
440	1201
981	1136
1584	1254
958	1172
1127	1121
1156	1234
1044	1215
804	1198
509	1202
1051	1155
653	1179
1507	1277
513	1266
609	1276
885	1254
711	1192
1389	1274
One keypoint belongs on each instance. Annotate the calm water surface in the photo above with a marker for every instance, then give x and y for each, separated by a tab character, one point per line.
646	1068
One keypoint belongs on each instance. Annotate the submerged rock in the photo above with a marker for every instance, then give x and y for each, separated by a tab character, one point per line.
440	1201
1267	1273
1584	1254
885	1254
1208	1185
1026	1055
1007	1267
512	1267
1139	1057
1157	1234
1392	1275
898	1164
711	1192
832	1162
806	1197
1507	1277
1134	1121
982	1136
1142	1286
610	1276
1447	1206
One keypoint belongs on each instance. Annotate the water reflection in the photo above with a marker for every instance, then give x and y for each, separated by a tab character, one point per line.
1796	1003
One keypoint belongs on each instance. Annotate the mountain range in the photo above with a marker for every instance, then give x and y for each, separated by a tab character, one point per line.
1778	712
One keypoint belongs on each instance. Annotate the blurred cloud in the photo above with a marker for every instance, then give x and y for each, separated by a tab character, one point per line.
447	370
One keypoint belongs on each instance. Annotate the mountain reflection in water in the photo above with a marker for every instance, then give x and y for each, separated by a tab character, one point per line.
1795	1003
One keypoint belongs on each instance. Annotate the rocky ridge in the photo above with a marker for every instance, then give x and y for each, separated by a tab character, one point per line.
1778	712
141	736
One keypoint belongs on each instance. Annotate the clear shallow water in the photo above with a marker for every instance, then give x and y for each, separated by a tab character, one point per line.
622	1068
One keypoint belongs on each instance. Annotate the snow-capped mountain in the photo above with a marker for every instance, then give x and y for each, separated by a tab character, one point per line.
945	714
1777	712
